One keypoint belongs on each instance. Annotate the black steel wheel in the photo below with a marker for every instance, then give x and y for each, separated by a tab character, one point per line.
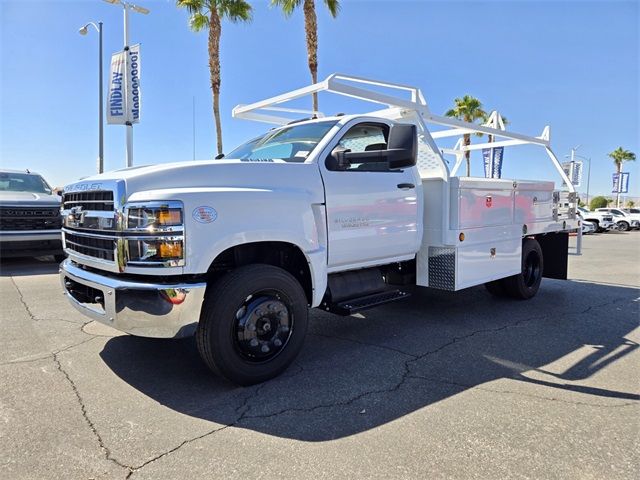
253	324
526	284
263	326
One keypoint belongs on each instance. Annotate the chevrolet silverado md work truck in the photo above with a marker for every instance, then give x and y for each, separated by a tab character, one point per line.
335	212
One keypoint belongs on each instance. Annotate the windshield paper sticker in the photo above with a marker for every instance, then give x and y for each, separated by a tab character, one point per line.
204	214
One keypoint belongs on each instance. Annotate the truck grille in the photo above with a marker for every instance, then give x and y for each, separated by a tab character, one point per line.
91	246
100	200
30	218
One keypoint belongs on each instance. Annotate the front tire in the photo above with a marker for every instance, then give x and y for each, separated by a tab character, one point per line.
526	284
599	229
623	226
253	324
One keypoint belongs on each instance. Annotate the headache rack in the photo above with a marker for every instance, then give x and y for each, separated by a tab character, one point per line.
407	104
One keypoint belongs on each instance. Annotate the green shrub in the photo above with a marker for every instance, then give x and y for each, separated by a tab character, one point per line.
598	202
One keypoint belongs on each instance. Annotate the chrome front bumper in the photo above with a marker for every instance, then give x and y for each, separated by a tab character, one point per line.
137	308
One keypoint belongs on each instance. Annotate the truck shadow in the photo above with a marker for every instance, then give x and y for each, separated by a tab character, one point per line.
360	372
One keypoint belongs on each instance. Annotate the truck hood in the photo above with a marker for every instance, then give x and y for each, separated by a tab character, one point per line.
29	199
217	173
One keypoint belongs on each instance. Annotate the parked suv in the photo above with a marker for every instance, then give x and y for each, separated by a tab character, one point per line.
632	213
30	220
604	221
625	221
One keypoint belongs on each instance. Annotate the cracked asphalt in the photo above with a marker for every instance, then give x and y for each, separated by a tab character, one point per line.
442	385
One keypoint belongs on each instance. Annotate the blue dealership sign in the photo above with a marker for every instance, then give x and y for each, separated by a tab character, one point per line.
493	162
620	183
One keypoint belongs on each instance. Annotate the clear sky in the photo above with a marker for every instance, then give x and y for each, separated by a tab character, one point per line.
573	65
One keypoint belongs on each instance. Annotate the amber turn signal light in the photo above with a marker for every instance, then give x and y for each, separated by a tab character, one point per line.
169	217
170	250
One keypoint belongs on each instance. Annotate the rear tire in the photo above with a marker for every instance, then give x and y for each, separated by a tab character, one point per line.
623	226
526	284
253	324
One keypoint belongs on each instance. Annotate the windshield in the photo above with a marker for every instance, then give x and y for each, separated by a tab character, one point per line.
288	144
23	182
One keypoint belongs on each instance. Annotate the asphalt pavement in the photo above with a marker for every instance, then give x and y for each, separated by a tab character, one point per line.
443	385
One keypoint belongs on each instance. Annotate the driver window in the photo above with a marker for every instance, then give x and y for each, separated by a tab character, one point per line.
366	137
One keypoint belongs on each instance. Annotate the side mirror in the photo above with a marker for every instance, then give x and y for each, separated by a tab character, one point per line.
401	152
338	159
402	146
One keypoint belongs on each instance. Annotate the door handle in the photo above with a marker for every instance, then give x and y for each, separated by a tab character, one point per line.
405	186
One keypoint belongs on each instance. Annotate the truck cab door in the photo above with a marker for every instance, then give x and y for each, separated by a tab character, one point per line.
374	214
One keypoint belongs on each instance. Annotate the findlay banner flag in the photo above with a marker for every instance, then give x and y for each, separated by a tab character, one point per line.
123	97
493	162
620	183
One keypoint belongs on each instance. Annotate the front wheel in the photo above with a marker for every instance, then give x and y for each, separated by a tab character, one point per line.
253	324
527	283
623	226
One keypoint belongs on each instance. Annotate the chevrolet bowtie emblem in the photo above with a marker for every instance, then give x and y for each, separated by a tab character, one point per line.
76	213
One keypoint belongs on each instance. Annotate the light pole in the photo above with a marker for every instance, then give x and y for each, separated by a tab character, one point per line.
126	7
83	31
573	156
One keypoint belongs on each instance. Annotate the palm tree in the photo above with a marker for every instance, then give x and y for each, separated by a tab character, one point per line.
311	30
208	14
468	109
619	156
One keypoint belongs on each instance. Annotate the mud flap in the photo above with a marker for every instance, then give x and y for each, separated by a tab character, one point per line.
555	252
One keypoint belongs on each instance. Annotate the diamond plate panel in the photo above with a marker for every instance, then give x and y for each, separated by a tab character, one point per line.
428	160
442	268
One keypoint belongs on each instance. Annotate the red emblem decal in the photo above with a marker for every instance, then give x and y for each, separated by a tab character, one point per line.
488	201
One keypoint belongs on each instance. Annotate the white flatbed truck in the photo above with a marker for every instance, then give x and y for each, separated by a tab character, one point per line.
335	212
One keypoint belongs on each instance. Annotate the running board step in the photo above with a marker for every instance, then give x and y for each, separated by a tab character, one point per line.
349	307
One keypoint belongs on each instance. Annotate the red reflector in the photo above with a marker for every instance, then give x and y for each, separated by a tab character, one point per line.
173	296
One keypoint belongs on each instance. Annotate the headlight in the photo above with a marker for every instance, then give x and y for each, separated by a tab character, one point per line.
168	251
154	216
155	234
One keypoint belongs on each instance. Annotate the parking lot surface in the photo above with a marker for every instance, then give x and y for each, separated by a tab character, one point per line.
455	385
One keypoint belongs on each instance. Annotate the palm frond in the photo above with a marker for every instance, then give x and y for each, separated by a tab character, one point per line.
198	21
333	6
192	6
235	10
620	155
288	6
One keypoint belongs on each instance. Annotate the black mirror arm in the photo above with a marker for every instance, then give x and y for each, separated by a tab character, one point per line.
375	156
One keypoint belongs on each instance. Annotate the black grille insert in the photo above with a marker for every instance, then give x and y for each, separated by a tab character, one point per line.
102	248
30	218
101	200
